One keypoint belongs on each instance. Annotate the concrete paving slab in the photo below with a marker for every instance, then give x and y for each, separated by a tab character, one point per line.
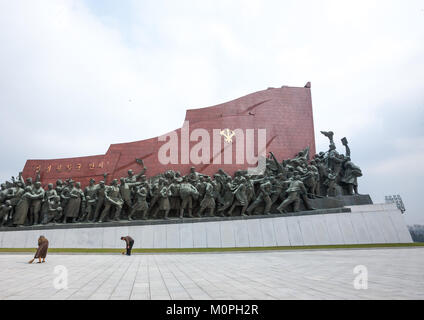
394	273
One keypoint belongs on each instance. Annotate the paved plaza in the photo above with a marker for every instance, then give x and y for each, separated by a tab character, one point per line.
328	274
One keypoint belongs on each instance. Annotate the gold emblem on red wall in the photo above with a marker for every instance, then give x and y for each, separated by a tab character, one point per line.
228	135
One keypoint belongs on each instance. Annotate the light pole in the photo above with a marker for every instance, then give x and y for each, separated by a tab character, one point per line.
398	200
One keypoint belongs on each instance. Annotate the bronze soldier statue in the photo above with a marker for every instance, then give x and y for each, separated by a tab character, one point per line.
228	197
141	203
90	193
263	197
73	207
350	177
54	210
282	184
37	196
164	204
187	193
294	192
100	194
240	200
125	189
22	206
132	178
48	196
208	201
113	200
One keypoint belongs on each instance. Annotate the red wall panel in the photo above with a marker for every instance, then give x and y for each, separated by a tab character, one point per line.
285	113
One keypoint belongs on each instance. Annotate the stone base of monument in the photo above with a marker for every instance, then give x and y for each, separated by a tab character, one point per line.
364	224
323	203
355	200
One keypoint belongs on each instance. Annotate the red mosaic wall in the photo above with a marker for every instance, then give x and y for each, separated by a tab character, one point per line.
285	113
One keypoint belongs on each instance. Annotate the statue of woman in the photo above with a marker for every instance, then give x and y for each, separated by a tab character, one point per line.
164	204
73	207
22	207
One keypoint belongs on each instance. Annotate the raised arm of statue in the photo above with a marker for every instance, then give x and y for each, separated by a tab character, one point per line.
345	143
142	172
105	175
141	163
260	180
21	179
329	135
279	166
133	184
305	153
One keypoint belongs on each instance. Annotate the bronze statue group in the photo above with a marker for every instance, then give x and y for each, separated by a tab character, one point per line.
284	186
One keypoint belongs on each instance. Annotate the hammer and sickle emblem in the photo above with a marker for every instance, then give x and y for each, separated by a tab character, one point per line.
228	135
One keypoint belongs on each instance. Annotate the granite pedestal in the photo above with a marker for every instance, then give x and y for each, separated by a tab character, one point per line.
378	223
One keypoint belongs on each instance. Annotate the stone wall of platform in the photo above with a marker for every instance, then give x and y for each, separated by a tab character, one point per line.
377	223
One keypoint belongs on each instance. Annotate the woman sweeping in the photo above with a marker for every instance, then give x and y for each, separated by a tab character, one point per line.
43	246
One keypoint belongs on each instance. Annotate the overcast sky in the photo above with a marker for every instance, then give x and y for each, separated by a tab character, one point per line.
76	76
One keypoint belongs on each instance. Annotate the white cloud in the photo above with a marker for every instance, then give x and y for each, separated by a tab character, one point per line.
410	164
